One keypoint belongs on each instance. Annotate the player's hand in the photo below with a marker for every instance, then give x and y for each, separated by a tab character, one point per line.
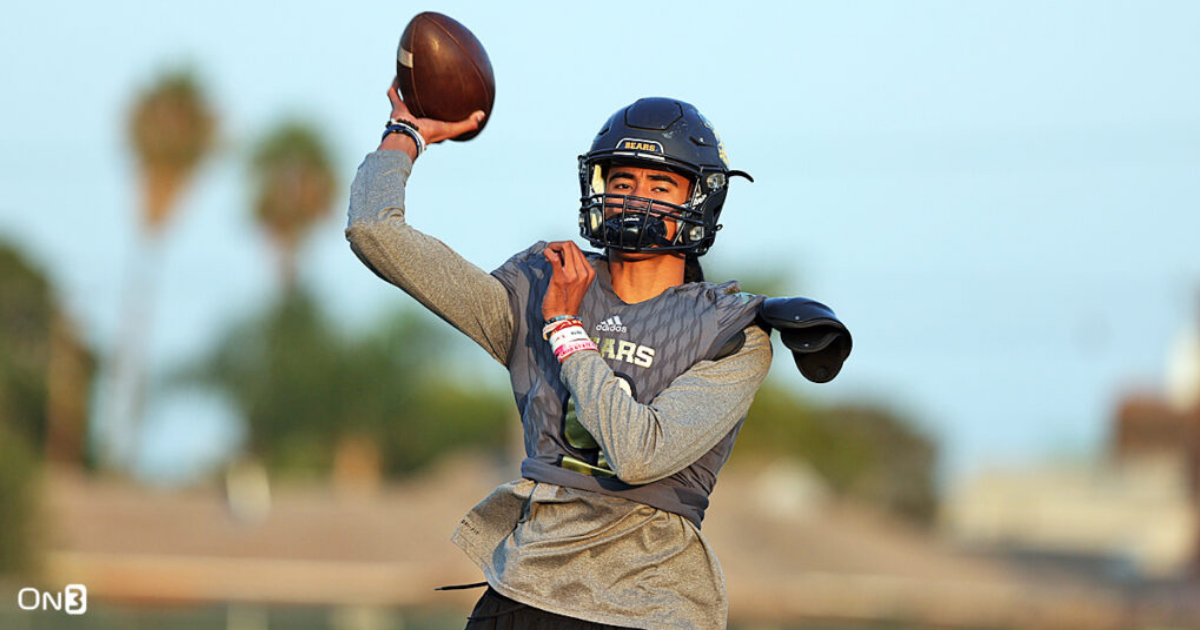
572	276
433	131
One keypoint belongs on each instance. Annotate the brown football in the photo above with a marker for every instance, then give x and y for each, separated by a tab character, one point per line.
443	71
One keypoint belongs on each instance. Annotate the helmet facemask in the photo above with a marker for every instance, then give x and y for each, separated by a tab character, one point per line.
632	223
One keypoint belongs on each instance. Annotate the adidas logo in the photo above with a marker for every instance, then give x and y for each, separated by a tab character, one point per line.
612	324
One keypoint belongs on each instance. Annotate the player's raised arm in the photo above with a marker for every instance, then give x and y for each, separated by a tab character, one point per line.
424	267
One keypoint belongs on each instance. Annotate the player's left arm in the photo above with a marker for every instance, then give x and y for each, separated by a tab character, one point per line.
647	442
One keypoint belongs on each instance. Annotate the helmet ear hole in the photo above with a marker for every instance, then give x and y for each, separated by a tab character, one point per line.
595	220
695	234
715	181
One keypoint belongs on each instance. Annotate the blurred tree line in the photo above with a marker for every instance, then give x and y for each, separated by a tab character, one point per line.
45	372
865	452
306	390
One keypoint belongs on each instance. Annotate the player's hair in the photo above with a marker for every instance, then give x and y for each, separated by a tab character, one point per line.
692	272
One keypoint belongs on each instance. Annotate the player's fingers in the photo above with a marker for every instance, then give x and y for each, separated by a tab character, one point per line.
583	272
589	270
466	125
585	267
562	272
399	108
394	94
554	257
576	260
575	265
560	248
570	269
568	259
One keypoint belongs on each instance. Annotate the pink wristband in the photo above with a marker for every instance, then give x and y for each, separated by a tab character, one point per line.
562	352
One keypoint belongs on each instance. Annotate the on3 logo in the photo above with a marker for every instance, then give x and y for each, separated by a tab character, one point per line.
72	600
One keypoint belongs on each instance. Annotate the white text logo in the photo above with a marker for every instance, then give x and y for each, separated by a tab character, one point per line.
612	324
72	600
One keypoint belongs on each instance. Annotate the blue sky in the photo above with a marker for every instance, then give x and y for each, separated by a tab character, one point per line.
998	197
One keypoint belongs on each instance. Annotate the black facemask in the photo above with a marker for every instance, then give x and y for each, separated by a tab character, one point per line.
636	229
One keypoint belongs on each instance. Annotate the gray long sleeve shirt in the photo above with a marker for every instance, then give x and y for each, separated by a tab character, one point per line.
573	552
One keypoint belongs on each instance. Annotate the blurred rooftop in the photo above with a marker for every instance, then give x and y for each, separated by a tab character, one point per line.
809	557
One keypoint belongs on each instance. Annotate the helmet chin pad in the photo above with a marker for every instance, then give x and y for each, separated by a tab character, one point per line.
635	230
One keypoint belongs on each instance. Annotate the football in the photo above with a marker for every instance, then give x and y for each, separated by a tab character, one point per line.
443	71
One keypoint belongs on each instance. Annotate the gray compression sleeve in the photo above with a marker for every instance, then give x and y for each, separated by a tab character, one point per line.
464	295
644	443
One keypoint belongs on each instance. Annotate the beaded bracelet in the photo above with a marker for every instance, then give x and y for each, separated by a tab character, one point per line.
410	129
558	323
401	121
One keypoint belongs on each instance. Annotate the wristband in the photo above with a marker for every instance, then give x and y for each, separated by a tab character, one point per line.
565	351
397	125
569	337
552	326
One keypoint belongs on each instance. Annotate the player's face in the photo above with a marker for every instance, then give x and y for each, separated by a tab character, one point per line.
654	184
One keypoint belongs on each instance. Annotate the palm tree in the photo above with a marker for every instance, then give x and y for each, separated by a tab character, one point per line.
295	187
171	129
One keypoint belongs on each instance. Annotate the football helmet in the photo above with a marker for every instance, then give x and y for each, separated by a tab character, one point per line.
659	133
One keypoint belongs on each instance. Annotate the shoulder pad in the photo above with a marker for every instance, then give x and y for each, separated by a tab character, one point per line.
819	342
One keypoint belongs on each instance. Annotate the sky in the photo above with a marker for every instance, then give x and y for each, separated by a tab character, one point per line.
999	198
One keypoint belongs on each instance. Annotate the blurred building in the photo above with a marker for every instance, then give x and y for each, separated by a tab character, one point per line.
1120	519
1152	432
1135	513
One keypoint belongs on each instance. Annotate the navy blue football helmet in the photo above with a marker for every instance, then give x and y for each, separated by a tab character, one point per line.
658	133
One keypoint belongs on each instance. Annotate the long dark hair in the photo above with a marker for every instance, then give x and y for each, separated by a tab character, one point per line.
691	269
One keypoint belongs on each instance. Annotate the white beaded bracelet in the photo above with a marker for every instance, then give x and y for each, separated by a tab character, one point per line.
408	128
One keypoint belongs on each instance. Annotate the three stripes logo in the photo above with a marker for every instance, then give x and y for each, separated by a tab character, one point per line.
612	325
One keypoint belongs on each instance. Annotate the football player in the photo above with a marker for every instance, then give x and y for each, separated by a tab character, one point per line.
631	374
